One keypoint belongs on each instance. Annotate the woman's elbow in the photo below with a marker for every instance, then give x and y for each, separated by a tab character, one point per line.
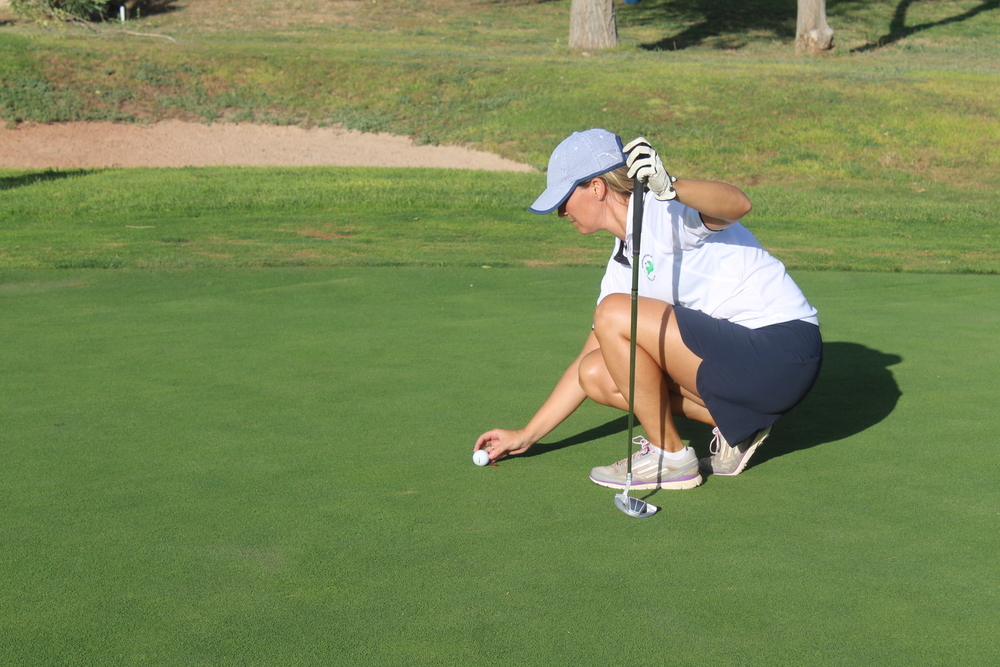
744	205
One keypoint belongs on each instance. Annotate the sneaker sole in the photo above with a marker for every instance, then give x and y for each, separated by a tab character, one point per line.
757	442
684	483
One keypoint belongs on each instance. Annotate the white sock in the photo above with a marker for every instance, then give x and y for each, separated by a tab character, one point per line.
674	456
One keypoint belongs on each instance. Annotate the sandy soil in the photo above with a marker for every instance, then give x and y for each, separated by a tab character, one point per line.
180	144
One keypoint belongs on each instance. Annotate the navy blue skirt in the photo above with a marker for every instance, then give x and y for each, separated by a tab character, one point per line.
750	377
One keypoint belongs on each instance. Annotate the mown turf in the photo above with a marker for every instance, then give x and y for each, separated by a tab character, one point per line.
258	217
714	85
234	464
273	467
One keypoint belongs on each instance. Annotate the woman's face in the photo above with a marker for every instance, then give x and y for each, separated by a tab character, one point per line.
584	209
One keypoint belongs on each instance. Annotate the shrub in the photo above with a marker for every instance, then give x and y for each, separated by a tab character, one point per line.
68	10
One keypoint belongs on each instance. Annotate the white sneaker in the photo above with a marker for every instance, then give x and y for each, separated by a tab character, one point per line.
651	470
729	459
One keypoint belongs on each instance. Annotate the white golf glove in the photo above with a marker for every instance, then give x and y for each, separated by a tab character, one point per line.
643	162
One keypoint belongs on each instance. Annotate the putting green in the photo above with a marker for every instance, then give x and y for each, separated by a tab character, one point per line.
273	467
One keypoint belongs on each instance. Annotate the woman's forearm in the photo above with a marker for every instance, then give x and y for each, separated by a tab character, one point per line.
722	202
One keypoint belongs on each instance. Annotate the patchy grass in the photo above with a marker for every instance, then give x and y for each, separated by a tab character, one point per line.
897	128
260	217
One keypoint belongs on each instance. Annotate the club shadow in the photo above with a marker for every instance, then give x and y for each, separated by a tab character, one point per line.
689	431
619	425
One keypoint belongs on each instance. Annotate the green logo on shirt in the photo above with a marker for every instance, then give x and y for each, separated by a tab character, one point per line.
648	268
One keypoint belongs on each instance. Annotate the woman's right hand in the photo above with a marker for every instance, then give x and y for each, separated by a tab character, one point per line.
501	442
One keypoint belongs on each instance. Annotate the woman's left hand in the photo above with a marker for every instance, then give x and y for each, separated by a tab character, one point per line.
643	162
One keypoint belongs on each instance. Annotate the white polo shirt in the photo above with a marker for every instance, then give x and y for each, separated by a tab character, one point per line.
725	274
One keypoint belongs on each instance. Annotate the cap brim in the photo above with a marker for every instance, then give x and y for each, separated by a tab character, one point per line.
550	200
553	198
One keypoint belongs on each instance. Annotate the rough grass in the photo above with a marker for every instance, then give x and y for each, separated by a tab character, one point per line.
260	217
716	82
883	155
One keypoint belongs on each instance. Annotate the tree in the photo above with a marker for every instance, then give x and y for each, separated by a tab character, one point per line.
592	25
813	35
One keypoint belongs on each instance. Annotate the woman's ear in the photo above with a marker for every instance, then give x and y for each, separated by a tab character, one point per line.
599	188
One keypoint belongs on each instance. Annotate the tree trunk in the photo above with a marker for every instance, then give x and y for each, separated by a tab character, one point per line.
592	25
813	35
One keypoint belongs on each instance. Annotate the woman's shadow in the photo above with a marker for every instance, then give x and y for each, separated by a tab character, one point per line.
855	391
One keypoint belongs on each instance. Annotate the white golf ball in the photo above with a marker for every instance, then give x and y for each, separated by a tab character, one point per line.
481	458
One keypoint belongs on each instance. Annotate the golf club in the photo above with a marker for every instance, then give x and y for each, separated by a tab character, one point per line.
634	507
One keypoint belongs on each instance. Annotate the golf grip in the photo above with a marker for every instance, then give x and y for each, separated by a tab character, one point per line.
638	189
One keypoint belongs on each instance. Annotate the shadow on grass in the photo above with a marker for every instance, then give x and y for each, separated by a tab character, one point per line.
899	30
730	24
161	7
689	430
619	425
11	182
724	24
855	391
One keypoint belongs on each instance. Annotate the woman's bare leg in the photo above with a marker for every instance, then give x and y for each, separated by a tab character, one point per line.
601	388
662	360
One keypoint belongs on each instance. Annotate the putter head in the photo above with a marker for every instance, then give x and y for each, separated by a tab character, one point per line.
635	507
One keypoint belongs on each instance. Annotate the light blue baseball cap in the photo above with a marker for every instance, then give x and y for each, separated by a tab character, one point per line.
580	157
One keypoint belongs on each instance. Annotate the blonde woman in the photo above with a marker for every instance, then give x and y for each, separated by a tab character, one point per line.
724	334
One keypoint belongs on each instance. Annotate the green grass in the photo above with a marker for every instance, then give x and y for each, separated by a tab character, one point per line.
881	159
188	436
258	217
187	480
733	104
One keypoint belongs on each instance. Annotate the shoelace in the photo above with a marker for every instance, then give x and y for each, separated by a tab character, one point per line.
719	446
644	448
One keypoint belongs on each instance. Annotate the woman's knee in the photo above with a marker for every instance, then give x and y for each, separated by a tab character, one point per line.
596	382
613	315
